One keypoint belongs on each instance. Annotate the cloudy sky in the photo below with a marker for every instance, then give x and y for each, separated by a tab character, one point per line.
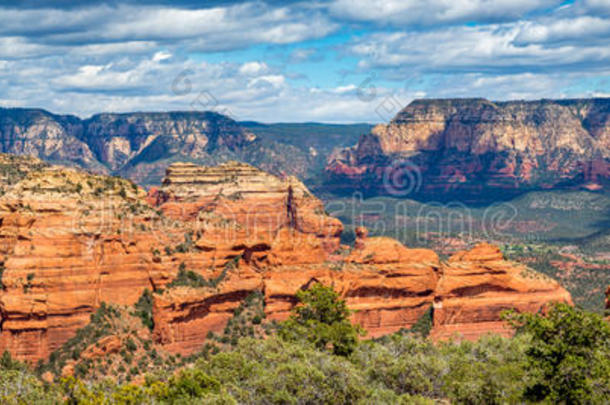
321	60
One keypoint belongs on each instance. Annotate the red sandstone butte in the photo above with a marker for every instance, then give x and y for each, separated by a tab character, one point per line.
71	240
477	285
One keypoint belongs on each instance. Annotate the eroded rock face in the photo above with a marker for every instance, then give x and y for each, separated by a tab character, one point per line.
240	210
118	138
70	241
471	145
247	223
141	145
388	285
386	296
136	145
477	285
105	346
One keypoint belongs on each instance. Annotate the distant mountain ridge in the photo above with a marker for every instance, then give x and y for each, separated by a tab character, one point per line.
141	145
451	147
439	149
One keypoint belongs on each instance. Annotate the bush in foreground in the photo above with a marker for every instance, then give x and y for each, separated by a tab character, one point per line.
562	356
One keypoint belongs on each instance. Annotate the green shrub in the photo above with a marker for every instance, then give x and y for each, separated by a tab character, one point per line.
188	278
143	309
187	245
322	319
569	356
131	345
276	371
423	326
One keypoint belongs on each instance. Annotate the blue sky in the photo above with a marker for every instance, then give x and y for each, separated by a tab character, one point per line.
321	60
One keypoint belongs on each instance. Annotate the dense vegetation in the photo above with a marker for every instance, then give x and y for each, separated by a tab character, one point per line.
322	319
563	356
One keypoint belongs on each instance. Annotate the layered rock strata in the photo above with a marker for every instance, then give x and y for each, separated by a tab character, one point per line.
435	147
476	286
205	240
69	241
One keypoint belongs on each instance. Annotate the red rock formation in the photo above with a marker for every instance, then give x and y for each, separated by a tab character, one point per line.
184	316
388	285
105	346
477	285
70	241
608	298
385	296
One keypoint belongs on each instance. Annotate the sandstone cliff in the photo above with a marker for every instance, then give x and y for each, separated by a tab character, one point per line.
141	145
206	239
466	146
388	285
70	240
476	286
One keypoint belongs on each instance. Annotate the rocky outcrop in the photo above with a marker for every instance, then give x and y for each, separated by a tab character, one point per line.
387	285
387	294
185	316
476	286
246	223
465	146
14	168
138	145
102	348
238	209
118	138
206	239
69	241
608	298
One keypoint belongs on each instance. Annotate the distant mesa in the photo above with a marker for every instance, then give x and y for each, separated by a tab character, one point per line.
468	148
